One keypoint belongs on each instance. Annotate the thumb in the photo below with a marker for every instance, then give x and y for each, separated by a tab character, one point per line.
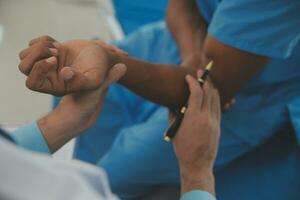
114	74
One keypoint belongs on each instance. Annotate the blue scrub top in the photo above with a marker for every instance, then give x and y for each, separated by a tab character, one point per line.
267	28
133	14
127	138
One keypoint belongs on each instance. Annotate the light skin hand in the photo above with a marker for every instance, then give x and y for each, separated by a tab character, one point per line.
196	141
76	112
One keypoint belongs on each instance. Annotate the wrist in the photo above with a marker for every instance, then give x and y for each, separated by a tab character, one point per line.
111	53
58	128
114	58
197	179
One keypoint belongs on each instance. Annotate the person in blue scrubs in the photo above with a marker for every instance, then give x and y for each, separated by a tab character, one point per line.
51	132
265	108
256	62
133	14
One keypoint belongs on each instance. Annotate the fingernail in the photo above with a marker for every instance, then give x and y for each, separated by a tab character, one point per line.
68	75
51	60
53	51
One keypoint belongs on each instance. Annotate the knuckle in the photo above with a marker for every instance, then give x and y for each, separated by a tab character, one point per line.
47	38
20	66
44	69
41	45
21	54
30	84
38	48
44	38
41	50
47	43
23	68
31	42
41	67
37	65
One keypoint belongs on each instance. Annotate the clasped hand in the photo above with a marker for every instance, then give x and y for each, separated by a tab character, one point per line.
60	69
78	70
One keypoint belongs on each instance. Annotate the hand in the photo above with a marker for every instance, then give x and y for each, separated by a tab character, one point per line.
76	112
60	69
196	60
197	139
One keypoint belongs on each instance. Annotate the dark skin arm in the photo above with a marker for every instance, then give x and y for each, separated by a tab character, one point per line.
231	71
233	68
162	84
189	30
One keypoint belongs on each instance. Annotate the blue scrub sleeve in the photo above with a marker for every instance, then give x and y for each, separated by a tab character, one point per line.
263	27
294	114
197	195
30	137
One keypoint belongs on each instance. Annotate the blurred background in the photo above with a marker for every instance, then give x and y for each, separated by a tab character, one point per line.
22	20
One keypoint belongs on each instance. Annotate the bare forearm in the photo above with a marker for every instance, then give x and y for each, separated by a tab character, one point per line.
62	125
232	69
55	131
187	26
165	84
162	84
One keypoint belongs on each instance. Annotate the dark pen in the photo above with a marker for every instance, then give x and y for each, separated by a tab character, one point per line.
171	132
